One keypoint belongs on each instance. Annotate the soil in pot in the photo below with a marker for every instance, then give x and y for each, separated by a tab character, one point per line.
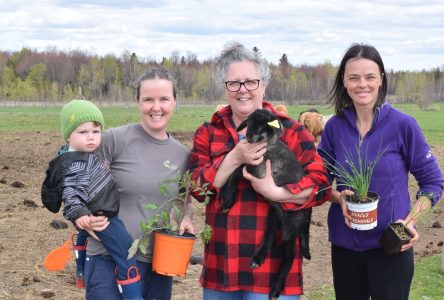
393	237
171	253
364	212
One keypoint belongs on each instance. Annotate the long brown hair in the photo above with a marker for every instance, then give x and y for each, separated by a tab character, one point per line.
338	95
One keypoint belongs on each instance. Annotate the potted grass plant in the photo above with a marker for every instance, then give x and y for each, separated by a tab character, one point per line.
356	175
396	234
159	229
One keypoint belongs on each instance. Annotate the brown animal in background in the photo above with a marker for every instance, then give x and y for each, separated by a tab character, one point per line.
281	108
313	122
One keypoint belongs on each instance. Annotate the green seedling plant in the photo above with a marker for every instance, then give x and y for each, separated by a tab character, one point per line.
419	213
357	177
177	192
397	234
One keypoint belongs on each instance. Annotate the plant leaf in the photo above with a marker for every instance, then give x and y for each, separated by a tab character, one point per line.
133	249
150	206
143	244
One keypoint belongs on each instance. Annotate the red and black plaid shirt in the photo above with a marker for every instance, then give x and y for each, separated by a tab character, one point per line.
238	233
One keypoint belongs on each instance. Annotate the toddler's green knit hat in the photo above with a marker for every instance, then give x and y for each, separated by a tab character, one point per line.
77	112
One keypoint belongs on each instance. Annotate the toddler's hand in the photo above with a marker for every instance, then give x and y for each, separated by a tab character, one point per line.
99	223
83	222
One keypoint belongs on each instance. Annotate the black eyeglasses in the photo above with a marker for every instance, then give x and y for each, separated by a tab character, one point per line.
235	86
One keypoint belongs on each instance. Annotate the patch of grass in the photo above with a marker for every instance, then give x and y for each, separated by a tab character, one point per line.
428	281
188	118
29	118
325	292
431	123
18	119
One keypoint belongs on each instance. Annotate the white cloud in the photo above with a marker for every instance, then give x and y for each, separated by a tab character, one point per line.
409	34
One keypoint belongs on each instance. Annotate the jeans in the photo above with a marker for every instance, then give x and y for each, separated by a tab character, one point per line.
209	294
116	241
100	280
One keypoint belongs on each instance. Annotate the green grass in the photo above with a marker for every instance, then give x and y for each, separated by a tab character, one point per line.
428	282
188	118
431	121
16	119
325	292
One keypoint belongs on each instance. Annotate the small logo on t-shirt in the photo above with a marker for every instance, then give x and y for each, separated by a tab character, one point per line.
169	165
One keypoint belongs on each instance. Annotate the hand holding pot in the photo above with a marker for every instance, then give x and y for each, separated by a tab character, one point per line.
186	225
341	201
421	206
411	228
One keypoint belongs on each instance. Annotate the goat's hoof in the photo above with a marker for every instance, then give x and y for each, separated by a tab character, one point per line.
270	297
276	290
256	262
274	295
225	207
253	265
306	253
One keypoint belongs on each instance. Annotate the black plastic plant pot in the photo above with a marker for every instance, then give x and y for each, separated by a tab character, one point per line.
394	237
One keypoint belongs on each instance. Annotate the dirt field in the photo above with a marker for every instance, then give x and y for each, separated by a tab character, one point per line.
26	236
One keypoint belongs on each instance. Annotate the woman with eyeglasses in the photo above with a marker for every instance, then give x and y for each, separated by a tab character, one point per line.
218	149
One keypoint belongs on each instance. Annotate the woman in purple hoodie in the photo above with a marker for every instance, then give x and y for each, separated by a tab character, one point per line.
364	120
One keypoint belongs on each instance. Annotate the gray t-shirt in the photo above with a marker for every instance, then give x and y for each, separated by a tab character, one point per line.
137	163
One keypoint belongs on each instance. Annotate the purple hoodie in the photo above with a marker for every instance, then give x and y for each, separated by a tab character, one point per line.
406	150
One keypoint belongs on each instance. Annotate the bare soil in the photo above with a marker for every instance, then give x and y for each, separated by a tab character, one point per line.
26	236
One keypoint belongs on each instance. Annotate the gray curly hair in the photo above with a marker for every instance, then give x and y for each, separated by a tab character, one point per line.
236	52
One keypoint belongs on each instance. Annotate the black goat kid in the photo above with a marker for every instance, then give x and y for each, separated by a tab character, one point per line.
264	125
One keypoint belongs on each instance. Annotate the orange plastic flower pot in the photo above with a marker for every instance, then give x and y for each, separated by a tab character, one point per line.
171	253
58	258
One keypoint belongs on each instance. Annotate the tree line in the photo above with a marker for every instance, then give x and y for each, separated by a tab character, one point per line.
53	75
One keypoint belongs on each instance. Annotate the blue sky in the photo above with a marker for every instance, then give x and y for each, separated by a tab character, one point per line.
409	34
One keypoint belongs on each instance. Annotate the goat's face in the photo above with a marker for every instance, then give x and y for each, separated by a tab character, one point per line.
262	125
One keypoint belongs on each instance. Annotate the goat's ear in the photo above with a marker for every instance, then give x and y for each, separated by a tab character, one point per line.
277	127
242	126
275	123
